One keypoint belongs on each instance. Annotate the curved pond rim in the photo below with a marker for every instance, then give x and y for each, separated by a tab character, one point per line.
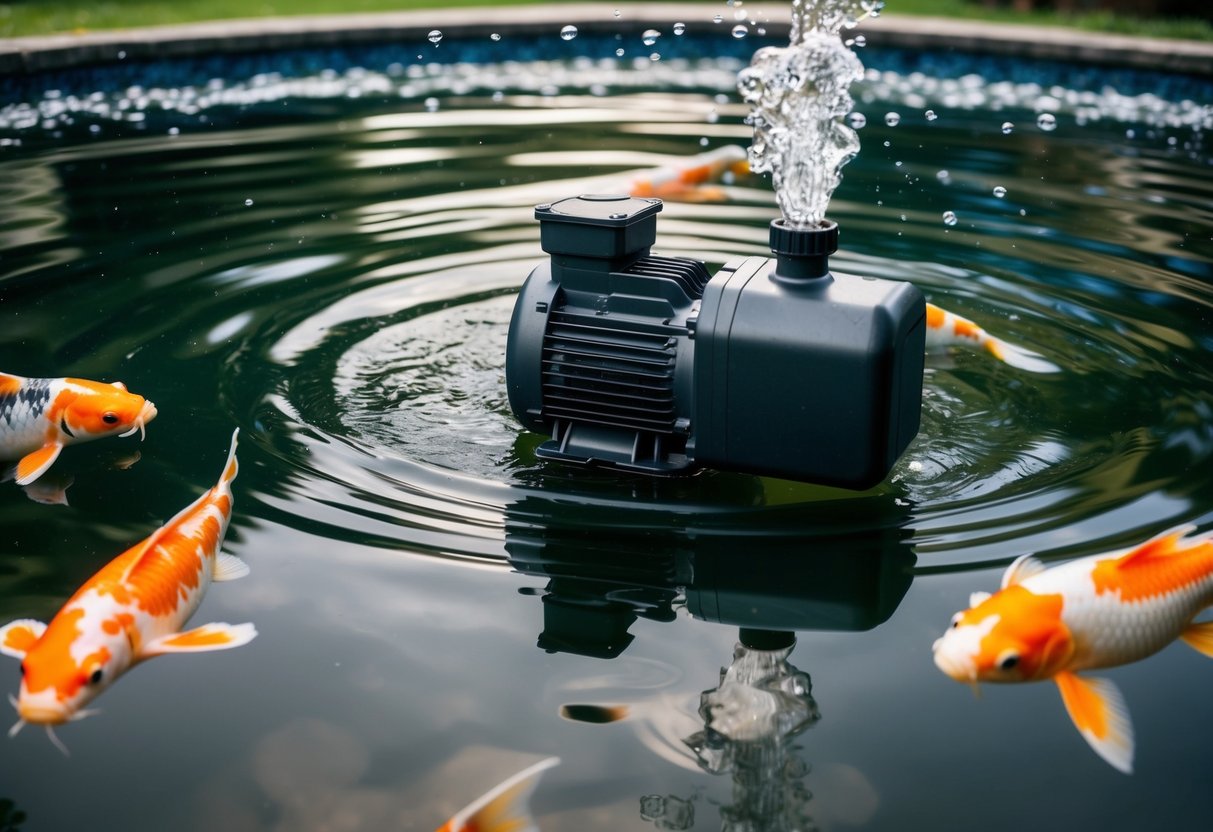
30	55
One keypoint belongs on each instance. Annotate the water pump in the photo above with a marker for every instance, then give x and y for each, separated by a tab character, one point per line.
773	366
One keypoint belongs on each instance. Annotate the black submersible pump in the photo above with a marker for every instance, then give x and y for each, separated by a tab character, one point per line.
774	366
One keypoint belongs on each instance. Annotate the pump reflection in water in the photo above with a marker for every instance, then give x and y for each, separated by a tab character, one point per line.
784	576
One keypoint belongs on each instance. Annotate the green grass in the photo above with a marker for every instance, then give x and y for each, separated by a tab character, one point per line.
38	17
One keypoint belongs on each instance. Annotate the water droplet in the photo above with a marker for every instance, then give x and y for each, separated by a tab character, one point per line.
434	36
717	18
857	120
619	53
568	32
1000	191
679	28
930	114
740	31
494	36
248	203
949	218
1007	127
650	36
1046	122
892	119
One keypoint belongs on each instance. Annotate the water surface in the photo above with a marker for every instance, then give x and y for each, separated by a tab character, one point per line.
326	256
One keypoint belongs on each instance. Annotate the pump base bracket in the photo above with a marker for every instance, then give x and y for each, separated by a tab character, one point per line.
628	450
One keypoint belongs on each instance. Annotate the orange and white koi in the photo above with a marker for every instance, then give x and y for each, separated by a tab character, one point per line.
1093	612
131	610
505	807
947	329
39	416
689	181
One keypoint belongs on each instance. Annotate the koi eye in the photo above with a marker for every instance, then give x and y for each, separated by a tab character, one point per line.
22	670
1008	661
956	620
110	418
95	678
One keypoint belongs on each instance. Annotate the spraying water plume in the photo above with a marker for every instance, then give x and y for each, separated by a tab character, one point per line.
799	95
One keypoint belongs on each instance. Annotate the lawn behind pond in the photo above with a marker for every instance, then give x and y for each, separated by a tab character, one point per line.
37	17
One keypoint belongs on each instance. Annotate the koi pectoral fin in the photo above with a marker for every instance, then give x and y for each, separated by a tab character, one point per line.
1100	715
215	636
1199	637
17	637
34	465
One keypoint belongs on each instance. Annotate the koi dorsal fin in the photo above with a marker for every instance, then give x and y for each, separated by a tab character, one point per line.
1164	545
10	384
506	807
1024	567
147	548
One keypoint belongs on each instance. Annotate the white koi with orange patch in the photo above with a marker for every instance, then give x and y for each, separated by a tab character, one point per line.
947	329
691	180
39	416
1093	612
131	610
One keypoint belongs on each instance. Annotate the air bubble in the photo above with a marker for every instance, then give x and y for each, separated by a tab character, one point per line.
1000	191
930	115
568	32
494	36
434	36
1007	127
740	31
892	119
679	28
949	218
1046	122
248	203
650	36
857	120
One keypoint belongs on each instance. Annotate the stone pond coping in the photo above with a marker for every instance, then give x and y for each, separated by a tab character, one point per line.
53	52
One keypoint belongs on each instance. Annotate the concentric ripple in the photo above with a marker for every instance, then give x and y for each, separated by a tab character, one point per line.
342	283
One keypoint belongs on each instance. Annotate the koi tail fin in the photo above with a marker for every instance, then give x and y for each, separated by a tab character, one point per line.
506	808
1101	716
1020	358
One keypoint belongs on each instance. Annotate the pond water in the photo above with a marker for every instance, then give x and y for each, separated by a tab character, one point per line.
323	250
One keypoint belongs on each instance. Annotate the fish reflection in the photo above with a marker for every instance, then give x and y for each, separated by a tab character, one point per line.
39	416
505	807
131	610
1094	612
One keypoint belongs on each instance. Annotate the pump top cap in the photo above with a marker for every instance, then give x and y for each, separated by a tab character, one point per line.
603	210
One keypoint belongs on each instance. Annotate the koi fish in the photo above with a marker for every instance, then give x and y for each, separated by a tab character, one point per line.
688	181
947	329
505	807
131	610
39	416
1093	612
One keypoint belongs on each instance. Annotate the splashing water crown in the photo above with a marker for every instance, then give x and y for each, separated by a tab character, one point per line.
799	96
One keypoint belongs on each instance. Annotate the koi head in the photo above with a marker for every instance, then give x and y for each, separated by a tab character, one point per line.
1014	635
69	666
93	409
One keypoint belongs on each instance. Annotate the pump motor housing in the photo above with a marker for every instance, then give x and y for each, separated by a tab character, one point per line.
773	366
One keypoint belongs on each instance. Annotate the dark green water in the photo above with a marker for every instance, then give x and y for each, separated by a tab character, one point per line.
331	267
